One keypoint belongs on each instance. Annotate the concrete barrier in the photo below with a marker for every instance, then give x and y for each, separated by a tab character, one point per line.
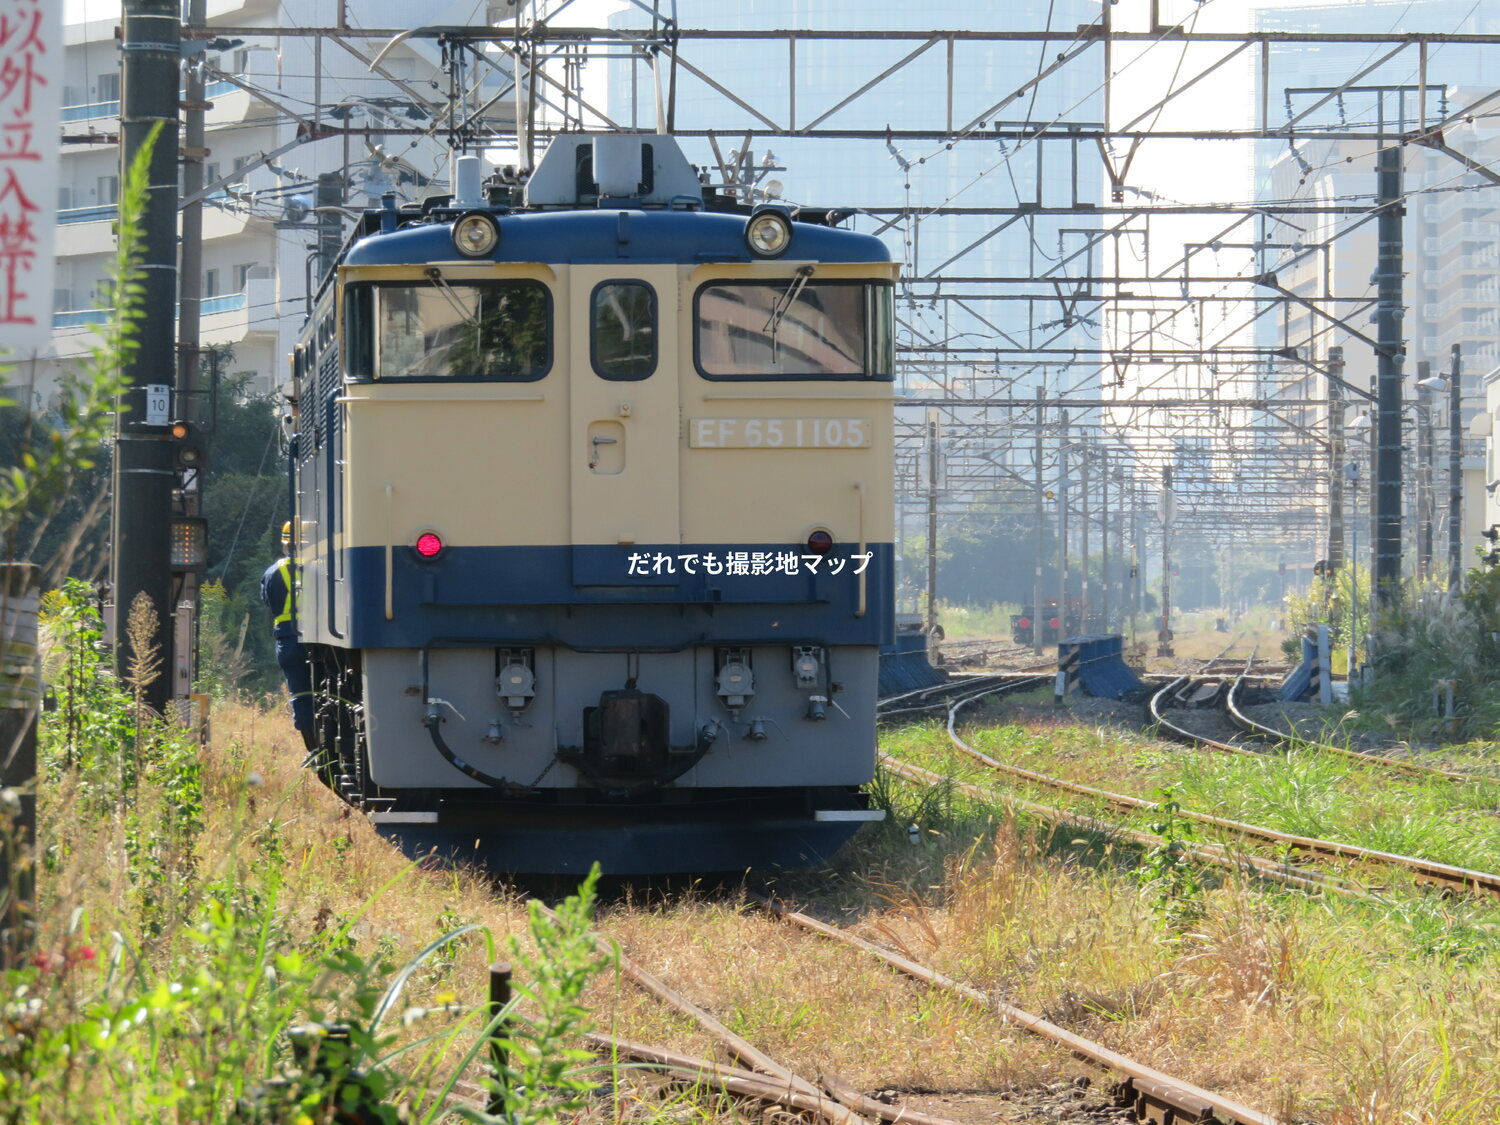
1096	666
904	665
1312	679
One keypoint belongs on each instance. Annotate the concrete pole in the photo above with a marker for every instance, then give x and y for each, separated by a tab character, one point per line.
1335	555
1105	513
1424	473
1085	600
1388	313
189	393
1455	471
143	473
1062	528
932	520
1164	634
1136	563
1041	531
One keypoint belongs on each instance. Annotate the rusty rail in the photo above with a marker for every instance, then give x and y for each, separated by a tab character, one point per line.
1422	870
1378	761
1150	1094
1213	855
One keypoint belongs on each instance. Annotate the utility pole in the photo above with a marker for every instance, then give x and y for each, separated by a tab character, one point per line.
1388	377
190	289
932	521
143	474
1135	560
1041	530
1062	528
1335	555
1424	472
1168	511
1083	535
1455	472
1104	519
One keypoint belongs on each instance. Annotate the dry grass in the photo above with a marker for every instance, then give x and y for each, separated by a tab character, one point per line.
1331	1012
1337	1013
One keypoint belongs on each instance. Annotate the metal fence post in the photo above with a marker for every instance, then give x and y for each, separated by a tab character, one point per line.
500	996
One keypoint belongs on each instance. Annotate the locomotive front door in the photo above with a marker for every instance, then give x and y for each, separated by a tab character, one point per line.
623	418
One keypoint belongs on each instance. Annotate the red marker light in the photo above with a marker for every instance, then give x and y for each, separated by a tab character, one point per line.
429	546
1024	623
1053	623
820	542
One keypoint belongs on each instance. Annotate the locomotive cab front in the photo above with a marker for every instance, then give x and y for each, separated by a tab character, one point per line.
596	500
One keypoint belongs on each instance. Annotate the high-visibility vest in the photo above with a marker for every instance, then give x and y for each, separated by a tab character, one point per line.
285	569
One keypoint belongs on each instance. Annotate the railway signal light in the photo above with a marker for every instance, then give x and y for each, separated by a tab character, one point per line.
187	440
188	552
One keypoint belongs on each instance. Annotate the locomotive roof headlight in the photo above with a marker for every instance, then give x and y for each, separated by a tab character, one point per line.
429	545
768	233
476	234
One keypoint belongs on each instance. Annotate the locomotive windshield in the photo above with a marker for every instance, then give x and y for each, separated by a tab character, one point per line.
794	329
449	330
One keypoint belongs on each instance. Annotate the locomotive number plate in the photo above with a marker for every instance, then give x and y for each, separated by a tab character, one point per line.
779	433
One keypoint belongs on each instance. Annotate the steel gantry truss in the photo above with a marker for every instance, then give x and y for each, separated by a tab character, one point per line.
1194	336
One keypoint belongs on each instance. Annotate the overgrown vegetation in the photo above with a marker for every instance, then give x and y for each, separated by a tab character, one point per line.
175	964
1314	1009
200	957
1424	642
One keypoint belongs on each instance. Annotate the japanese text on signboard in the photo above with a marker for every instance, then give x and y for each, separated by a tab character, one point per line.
30	93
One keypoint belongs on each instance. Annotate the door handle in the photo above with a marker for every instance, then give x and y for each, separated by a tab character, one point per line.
594	444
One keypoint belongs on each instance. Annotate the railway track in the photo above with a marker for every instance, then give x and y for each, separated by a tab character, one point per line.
939	696
1146	1094
1423	871
1225	690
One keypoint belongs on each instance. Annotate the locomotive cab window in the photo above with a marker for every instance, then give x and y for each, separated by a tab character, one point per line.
796	328
622	330
449	330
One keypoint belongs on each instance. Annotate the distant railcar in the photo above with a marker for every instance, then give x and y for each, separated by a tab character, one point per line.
594	495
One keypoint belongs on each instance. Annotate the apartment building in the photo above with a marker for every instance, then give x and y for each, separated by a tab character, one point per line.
259	227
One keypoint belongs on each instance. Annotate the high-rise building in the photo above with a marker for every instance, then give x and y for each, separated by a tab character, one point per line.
1451	228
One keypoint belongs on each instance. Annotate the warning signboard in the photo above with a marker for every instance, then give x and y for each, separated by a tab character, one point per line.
31	44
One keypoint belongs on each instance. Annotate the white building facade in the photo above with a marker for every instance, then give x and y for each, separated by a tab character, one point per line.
259	228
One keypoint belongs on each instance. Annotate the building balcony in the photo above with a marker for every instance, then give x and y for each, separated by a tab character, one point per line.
231	105
230	318
90	111
224	303
77	318
1457	233
83	231
105	213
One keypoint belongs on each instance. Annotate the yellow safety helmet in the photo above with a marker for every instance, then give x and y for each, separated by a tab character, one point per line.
286	534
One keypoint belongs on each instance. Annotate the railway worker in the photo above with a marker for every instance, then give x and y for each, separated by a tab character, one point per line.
277	590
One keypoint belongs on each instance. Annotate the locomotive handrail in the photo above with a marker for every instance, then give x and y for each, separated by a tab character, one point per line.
859	491
390	551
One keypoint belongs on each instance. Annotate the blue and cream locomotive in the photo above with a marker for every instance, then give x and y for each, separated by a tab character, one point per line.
593	485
